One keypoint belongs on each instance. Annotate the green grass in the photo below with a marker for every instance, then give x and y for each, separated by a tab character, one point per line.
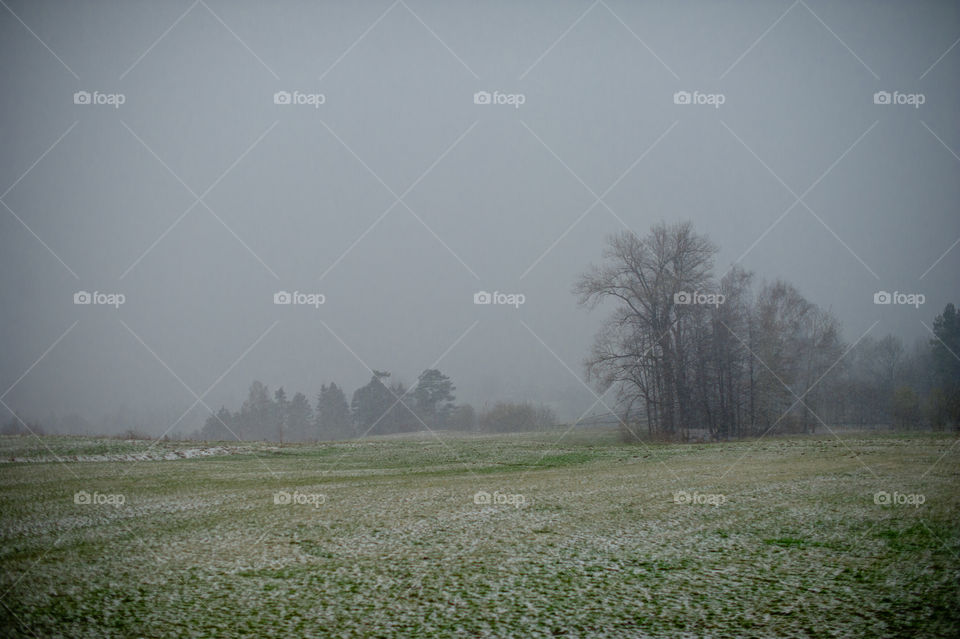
798	547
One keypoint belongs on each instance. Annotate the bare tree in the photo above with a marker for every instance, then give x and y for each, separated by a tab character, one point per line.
645	347
689	353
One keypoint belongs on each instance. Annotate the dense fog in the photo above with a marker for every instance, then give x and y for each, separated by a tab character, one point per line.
189	165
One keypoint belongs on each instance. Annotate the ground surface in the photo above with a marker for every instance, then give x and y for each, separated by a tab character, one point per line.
779	537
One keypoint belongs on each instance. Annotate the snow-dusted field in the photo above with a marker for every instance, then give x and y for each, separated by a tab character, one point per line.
482	536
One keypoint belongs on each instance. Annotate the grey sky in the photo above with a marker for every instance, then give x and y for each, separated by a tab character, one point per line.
493	187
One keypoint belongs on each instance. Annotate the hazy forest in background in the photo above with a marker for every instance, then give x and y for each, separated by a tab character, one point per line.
686	354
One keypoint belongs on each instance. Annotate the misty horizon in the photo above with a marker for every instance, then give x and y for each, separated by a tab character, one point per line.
217	181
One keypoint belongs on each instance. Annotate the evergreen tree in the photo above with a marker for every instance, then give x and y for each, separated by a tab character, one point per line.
256	413
218	427
299	419
946	358
400	416
332	417
433	396
280	408
370	405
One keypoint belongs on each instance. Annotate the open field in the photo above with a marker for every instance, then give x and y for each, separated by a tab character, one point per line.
777	537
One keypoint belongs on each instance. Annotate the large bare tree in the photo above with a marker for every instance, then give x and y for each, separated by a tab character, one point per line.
645	347
688	353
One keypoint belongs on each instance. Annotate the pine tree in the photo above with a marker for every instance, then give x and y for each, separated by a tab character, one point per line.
332	417
300	419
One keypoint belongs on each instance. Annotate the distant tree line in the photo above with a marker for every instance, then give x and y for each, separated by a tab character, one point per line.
688	353
380	407
119	423
18	425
